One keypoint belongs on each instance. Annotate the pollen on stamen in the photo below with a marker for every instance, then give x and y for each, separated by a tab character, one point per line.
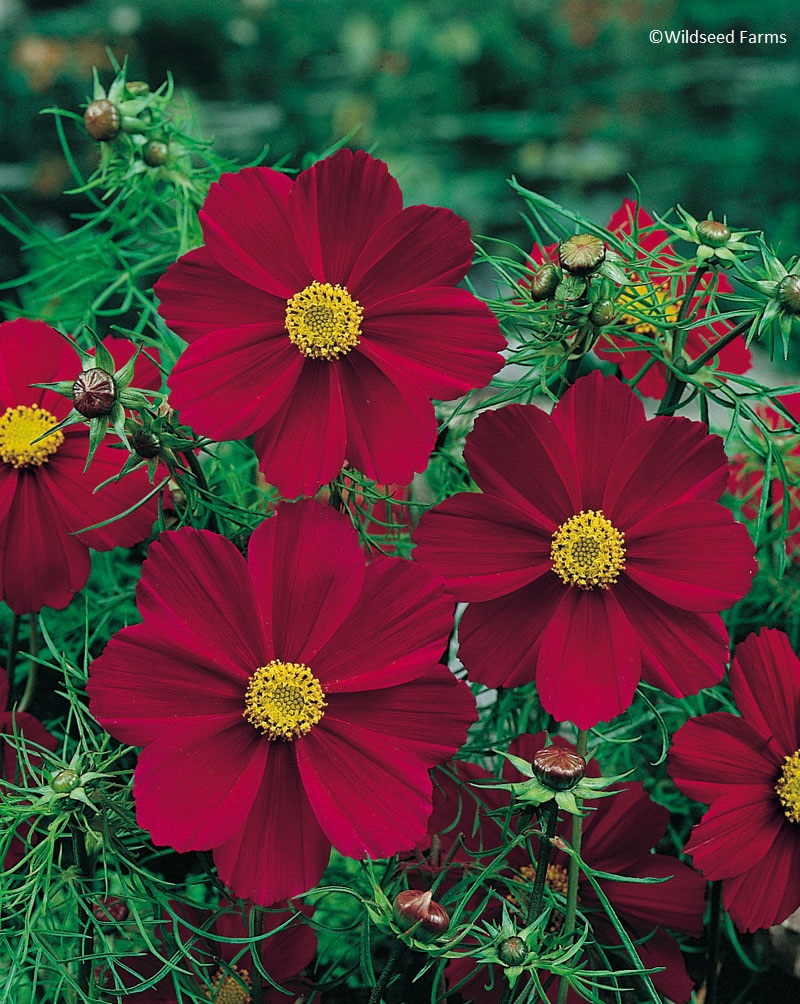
324	321
21	425
788	787
588	551
284	700
226	989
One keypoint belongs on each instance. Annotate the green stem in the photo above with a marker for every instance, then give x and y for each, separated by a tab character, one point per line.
535	905
383	980
257	994
11	660
574	870
714	931
712	350
33	671
200	478
85	931
676	382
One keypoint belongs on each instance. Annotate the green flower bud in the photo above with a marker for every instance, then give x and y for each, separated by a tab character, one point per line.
602	313
789	294
145	443
155	153
545	282
65	781
513	951
581	254
713	233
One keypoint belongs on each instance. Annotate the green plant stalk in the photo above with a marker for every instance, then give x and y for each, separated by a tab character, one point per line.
383	980
257	990
33	671
85	932
675	386
712	350
545	843
200	478
574	869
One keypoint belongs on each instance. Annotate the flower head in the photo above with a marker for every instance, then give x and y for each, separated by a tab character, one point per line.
596	553
45	497
747	770
285	703
322	317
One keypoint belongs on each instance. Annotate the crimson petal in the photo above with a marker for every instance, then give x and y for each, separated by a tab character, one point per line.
765	680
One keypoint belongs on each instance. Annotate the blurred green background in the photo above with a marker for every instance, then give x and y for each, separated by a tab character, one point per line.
456	95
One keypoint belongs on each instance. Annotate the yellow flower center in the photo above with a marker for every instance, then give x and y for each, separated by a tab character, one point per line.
19	427
788	787
226	990
647	309
323	321
284	700
588	551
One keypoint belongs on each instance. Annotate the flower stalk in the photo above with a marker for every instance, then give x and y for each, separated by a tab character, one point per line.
571	910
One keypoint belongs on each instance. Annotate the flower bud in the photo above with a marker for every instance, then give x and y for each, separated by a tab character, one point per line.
544	283
101	119
602	313
581	254
558	769
419	910
109	909
65	781
713	233
94	393
789	294
145	443
513	951
137	88
155	153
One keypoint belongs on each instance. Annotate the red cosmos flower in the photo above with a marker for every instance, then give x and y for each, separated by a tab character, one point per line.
283	955
748	771
655	293
44	495
595	555
618	835
12	766
322	317
746	480
285	703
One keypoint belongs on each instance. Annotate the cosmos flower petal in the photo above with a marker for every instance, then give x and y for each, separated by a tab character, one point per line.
662	950
714	754
336	206
281	850
403	612
205	808
230	383
589	633
33	352
694	556
768	893
420	246
301	612
737	832
601	846
440	337
198	296
765	680
365	769
678	903
596	415
682	651
303	444
518	454
248	231
500	639
664	462
506	549
374	403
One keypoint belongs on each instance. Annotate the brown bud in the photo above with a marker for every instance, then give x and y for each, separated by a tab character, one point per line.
101	119
513	951
145	443
94	393
419	910
713	233
558	769
582	254
602	313
789	294
109	909
155	153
